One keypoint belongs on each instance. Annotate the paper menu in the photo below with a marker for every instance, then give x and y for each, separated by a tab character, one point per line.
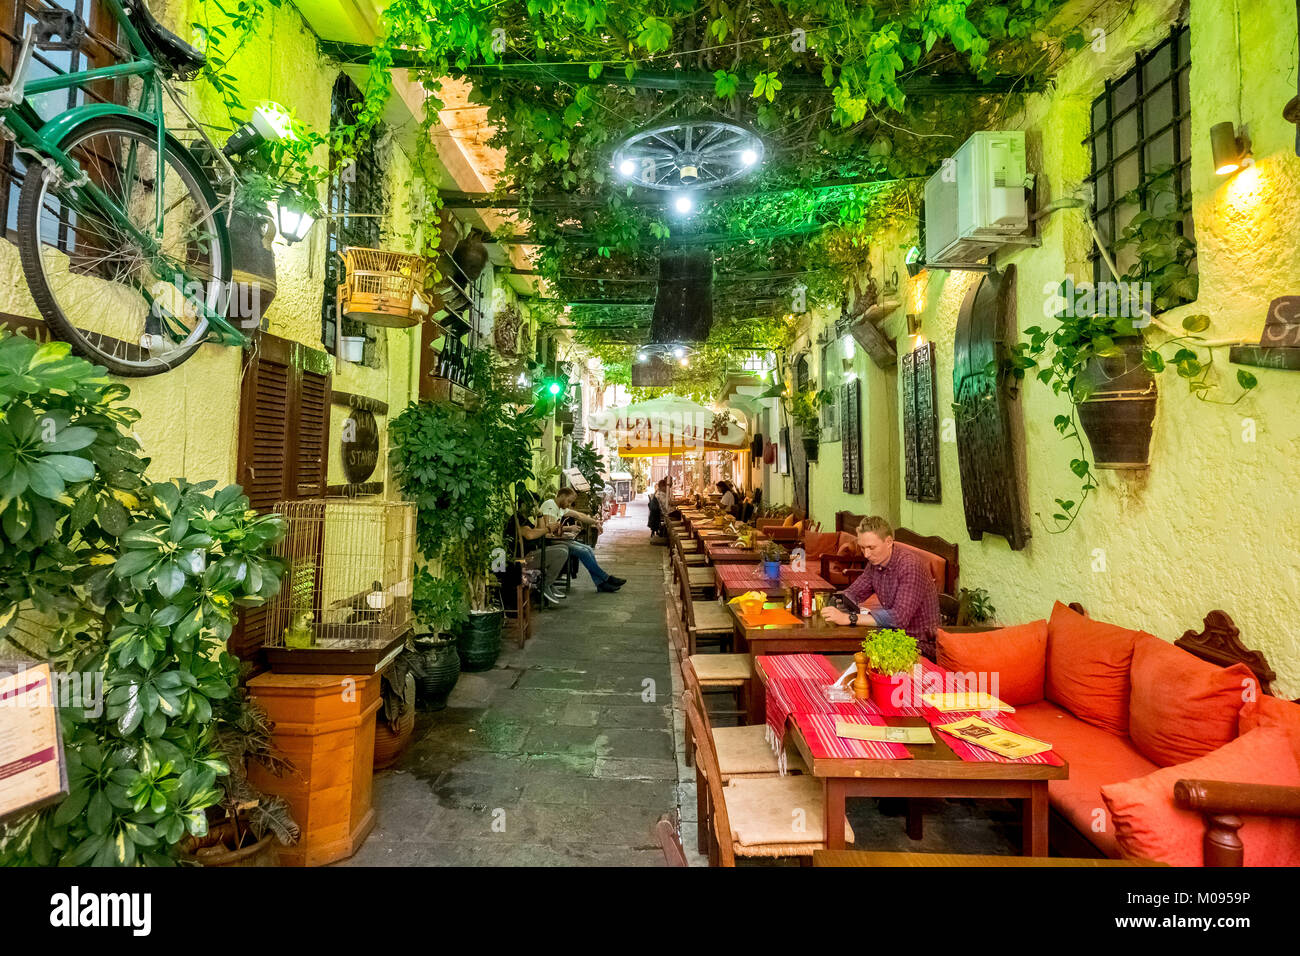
962	701
893	735
999	740
31	754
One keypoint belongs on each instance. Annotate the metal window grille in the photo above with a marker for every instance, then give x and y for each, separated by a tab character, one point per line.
355	195
101	47
1140	123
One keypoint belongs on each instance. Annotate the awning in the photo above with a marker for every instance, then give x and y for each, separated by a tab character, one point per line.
663	426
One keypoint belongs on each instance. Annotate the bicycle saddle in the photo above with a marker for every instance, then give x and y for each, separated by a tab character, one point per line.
178	59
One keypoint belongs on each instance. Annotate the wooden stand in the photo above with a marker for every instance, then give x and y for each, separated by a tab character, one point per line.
325	725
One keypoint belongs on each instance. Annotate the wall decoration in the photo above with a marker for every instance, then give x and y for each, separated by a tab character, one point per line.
920	426
851	436
990	434
1279	344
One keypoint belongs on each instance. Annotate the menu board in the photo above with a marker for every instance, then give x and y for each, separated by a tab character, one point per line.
32	770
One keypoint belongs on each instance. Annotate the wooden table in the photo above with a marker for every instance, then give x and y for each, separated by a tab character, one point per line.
933	771
723	550
814	635
880	858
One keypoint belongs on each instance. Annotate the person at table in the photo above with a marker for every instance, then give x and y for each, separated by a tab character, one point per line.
552	514
728	501
750	507
900	581
548	556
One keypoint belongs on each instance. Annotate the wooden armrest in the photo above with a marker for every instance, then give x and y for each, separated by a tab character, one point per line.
847	562
1222	803
1226	797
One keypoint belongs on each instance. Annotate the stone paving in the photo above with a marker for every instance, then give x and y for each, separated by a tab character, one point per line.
569	750
563	753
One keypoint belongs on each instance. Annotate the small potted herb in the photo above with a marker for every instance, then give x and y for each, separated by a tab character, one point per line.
772	558
891	655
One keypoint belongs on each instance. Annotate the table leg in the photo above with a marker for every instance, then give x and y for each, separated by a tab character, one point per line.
1035	820
756	697
833	813
915	820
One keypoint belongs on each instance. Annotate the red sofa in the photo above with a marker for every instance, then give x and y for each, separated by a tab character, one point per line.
1139	720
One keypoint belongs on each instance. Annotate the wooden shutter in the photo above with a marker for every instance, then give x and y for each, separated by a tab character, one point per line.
283	435
851	436
920	425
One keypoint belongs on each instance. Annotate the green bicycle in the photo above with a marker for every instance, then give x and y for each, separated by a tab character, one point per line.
120	230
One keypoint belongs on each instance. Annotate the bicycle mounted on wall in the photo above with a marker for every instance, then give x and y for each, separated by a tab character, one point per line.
120	229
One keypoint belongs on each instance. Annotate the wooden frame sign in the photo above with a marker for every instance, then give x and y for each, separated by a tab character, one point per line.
33	771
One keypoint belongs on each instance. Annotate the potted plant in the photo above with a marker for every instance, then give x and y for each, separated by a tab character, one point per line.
461	466
805	410
245	826
438	604
395	722
772	555
891	655
974	606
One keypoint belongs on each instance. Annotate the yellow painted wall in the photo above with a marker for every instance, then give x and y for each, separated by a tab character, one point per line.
1215	521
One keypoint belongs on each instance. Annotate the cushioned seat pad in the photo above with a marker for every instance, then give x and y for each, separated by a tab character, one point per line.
710	617
761	811
745	750
1096	758
722	666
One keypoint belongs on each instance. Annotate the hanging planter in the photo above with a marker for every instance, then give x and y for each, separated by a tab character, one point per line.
810	446
378	287
1120	407
253	267
353	348
471	258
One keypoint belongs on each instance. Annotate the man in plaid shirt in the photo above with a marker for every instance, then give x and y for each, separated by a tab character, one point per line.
900	581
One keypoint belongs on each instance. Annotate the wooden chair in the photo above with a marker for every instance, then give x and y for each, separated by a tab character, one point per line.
768	817
707	623
702	580
743	750
689	550
667	832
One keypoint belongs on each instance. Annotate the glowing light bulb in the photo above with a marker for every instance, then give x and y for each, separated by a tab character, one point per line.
749	157
627	167
683	204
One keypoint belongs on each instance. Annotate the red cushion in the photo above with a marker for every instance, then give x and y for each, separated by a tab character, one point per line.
1272	712
937	566
1180	706
815	544
1014	657
1088	668
1148	825
836	572
1096	757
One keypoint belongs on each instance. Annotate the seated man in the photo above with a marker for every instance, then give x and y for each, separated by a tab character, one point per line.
901	582
553	512
548	556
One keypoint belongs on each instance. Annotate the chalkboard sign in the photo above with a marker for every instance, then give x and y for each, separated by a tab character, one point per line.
360	445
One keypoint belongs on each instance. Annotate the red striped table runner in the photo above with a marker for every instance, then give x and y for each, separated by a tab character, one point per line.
750	577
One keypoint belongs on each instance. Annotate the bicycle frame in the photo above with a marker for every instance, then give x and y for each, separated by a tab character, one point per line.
20	122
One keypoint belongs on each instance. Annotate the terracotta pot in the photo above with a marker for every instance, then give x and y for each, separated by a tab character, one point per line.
389	744
216	853
883	687
1118	413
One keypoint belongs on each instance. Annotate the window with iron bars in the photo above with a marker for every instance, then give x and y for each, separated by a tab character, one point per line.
101	47
354	204
1141	124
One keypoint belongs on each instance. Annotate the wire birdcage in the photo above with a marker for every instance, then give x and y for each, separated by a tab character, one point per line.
378	287
348	584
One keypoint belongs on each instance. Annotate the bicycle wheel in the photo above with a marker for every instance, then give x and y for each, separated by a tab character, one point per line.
131	306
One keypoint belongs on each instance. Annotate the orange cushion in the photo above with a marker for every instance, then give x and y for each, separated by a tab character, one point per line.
1273	712
1087	668
1015	659
1180	706
1149	826
815	545
1096	757
937	566
789	521
839	576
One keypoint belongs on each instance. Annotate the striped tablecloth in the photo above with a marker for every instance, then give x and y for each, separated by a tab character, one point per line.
795	689
739	578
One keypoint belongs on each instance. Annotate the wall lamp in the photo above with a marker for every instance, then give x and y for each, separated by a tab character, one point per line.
1231	149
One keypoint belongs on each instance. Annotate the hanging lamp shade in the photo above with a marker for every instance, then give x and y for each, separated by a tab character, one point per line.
683	310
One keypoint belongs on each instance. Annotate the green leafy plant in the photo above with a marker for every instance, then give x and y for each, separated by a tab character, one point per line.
773	552
974	606
138	583
890	651
460	466
590	464
805	410
438	602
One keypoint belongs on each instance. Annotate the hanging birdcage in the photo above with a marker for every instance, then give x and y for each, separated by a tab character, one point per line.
346	600
378	287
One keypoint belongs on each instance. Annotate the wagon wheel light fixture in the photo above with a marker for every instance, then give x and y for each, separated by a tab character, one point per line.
695	154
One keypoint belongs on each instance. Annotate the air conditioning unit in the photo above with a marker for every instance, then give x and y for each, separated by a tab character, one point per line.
976	202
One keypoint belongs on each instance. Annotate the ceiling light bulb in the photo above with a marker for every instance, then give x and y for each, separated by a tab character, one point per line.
749	157
679	352
685	362
683	204
627	167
